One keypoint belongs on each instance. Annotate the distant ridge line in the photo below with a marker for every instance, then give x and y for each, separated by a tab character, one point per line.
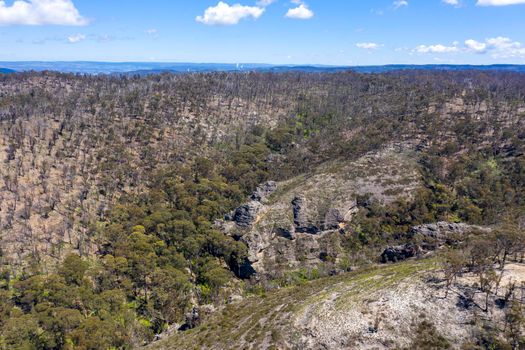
145	68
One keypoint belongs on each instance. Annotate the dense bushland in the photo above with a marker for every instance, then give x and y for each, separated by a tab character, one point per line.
110	185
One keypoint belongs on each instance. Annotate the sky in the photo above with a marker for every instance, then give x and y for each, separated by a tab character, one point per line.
331	32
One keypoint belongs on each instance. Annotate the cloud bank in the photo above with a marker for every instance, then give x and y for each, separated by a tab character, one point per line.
499	2
499	47
40	12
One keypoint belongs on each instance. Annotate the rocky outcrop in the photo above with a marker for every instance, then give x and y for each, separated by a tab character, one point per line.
193	319
301	222
435	235
401	252
197	316
299	212
245	215
285	233
335	217
430	237
300	218
307	221
263	191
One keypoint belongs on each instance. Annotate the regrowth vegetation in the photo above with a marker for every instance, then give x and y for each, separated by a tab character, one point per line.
110	186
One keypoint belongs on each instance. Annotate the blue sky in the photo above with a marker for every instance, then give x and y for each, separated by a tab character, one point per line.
335	32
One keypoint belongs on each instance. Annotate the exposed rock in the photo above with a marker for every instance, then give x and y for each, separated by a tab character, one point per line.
263	191
310	229
443	232
285	233
244	270
193	320
401	252
299	213
301	225
246	214
197	316
431	236
235	298
307	220
333	219
168	332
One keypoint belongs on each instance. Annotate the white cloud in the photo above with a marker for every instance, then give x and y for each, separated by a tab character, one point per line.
439	48
475	46
224	14
502	47
300	12
76	38
400	3
452	2
499	47
264	3
368	46
152	31
499	2
40	12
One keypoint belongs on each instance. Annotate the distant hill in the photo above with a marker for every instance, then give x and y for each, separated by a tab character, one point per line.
146	68
447	67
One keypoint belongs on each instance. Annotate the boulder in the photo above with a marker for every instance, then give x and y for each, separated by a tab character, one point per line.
245	215
235	299
400	252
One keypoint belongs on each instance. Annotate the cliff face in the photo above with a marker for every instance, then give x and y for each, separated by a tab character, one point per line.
300	223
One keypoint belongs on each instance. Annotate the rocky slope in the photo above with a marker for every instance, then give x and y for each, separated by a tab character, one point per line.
299	223
377	308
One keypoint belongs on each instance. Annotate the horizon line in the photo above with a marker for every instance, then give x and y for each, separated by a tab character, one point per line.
261	63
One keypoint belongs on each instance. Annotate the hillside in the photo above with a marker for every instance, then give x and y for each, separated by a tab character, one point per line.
380	307
129	204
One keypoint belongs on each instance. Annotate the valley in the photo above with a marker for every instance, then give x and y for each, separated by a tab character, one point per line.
262	210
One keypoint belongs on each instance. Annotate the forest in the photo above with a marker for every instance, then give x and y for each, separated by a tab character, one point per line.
111	188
